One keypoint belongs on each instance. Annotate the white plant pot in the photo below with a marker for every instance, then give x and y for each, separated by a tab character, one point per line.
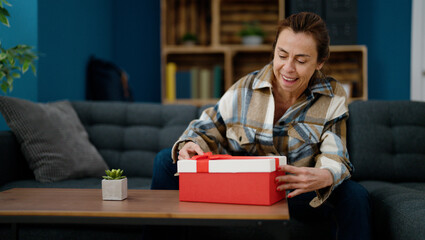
189	43
252	40
114	189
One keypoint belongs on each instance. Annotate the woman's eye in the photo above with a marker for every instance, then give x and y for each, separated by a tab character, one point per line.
302	62
281	56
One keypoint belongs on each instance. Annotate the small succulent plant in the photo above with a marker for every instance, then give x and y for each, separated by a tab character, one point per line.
189	37
114	174
252	28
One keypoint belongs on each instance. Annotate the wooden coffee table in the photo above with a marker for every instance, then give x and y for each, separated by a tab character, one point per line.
142	207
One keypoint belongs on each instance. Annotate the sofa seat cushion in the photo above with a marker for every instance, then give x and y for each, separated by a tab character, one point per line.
95	183
420	186
397	209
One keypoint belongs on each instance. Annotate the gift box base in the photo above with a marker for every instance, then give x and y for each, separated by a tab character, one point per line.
236	188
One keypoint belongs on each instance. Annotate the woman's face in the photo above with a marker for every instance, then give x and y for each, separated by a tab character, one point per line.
294	62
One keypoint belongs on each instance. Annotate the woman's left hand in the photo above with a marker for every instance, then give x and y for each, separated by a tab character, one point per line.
303	179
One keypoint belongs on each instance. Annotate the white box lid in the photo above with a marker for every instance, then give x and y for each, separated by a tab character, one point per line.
234	165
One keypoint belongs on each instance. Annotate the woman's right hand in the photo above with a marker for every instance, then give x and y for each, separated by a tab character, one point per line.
189	150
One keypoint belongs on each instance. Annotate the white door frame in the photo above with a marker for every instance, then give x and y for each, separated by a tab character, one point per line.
417	56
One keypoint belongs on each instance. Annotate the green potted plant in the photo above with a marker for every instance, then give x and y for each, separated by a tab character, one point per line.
189	39
114	185
252	33
15	60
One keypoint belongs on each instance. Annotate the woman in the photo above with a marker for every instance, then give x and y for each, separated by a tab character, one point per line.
286	108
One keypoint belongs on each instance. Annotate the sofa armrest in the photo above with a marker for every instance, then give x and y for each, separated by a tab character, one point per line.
13	164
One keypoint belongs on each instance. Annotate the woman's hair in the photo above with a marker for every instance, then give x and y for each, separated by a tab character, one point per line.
309	23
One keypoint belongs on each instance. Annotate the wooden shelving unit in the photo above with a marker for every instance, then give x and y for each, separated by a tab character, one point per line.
217	22
348	64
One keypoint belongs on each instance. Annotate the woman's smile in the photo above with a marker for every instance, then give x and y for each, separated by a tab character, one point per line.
289	79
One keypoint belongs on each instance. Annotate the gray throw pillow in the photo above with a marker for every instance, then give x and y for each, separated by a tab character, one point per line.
53	140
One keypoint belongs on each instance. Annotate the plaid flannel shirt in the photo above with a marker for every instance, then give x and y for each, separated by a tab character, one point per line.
312	132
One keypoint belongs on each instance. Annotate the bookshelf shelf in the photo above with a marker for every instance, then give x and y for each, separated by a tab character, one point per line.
196	102
215	49
218	48
193	49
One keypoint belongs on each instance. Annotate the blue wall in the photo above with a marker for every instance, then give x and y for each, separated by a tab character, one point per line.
69	32
384	26
124	32
137	46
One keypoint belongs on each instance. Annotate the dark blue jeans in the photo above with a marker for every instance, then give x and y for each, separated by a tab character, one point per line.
163	172
347	208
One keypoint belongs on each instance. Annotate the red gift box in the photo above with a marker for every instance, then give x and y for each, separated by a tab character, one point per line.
230	179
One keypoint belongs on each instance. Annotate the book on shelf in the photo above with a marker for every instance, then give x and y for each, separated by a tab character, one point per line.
205	83
183	85
170	81
194	80
217	81
193	83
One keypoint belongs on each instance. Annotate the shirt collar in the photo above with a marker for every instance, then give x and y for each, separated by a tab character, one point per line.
319	86
264	78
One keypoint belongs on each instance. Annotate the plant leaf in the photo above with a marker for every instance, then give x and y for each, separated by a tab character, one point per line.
11	59
4	87
5	2
3	56
9	83
4	12
34	70
114	174
25	66
16	75
4	20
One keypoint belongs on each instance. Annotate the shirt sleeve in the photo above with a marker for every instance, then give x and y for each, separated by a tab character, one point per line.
333	149
208	132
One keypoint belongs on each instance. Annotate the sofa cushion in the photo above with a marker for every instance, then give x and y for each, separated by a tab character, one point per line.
128	135
386	140
397	209
52	139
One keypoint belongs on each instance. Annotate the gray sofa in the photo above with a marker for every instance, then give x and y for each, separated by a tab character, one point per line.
127	136
386	142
